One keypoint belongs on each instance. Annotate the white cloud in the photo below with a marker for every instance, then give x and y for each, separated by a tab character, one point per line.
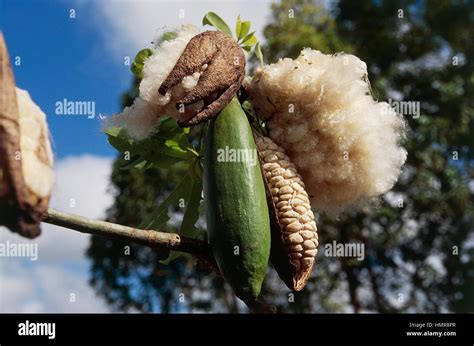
83	179
46	285
46	288
124	27
127	26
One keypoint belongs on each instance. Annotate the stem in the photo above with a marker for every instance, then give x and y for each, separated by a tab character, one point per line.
149	238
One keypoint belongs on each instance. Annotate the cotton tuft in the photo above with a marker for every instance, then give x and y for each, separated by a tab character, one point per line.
36	153
345	145
140	119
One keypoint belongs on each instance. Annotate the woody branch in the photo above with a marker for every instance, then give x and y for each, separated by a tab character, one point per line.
151	238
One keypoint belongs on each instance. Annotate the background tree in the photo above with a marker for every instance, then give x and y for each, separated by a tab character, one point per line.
419	241
130	276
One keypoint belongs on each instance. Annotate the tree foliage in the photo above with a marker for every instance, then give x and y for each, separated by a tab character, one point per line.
419	251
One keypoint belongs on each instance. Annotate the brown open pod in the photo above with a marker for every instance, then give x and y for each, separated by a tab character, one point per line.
26	176
294	233
221	64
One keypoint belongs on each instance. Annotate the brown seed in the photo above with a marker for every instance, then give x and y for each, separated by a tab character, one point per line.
278	171
296	255
270	158
268	167
285	164
288	174
306	218
296	248
298	201
285	190
274	191
294	226
300	209
275	180
308	244
285	209
307	234
295	238
282	204
288	221
286	197
291	213
281	183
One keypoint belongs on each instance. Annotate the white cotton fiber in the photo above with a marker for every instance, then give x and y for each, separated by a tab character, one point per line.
140	119
158	66
36	153
319	109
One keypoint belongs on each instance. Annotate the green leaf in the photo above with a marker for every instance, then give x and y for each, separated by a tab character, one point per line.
247	48
238	26
168	128
159	217
190	217
143	55
164	161
135	161
137	65
258	53
144	164
119	143
214	20
244	30
159	153
168	146
168	36
182	141
113	131
248	108
173	149
250	39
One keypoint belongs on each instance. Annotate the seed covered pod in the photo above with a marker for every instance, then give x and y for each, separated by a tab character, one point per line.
294	232
26	175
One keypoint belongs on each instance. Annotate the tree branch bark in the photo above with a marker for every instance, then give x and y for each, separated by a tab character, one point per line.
151	238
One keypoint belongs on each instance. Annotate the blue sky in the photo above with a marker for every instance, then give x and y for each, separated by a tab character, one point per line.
61	58
82	59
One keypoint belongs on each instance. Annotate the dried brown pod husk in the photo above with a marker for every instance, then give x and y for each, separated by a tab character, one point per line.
294	232
26	175
224	72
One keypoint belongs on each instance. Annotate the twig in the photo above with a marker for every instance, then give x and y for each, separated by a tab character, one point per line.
149	238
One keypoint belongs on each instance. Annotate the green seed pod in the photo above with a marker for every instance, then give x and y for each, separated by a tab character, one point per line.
236	210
